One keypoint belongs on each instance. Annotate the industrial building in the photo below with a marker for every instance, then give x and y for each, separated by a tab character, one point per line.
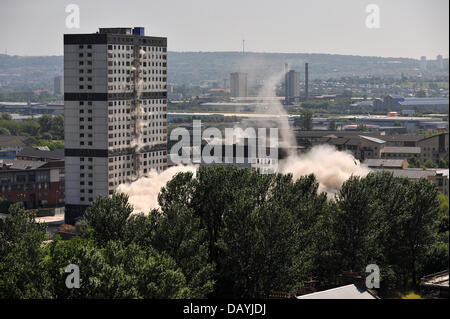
365	145
238	84
25	108
115	98
400	103
378	122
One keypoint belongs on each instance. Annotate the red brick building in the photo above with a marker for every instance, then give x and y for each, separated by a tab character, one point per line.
35	184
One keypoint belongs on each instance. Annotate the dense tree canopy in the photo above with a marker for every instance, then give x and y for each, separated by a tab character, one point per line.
45	127
229	232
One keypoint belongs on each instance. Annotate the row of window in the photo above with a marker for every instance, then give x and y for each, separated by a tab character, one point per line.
126	179
29	187
130	56
130	80
130	64
128	157
129	47
123	87
143	102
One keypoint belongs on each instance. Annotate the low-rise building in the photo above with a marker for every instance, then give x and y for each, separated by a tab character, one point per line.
431	147
38	154
386	163
400	152
440	177
35	184
362	145
376	145
11	145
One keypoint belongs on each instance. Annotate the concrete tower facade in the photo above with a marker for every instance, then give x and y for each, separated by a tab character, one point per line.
58	85
423	63
440	62
238	84
115	109
292	87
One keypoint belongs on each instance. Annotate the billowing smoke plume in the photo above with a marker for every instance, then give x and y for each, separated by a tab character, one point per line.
330	166
143	193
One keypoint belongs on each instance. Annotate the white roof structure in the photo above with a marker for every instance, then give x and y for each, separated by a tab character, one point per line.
344	292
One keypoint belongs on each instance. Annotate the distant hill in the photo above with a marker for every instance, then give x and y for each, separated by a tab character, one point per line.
194	67
35	72
197	67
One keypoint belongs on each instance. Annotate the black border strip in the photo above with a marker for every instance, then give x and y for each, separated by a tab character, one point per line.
75	152
112	96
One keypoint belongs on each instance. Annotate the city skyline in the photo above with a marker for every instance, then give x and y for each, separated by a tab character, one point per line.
287	26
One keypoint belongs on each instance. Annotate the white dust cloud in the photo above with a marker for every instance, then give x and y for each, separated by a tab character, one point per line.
330	167
143	193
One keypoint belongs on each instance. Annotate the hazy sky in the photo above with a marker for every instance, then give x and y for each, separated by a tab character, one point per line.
408	28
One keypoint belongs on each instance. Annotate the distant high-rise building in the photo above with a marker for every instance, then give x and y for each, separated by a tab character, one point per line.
423	63
292	86
306	81
58	85
115	109
238	84
440	62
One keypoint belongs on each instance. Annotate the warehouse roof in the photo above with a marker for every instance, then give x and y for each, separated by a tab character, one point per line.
345	292
373	139
14	141
401	149
412	173
14	164
41	154
385	163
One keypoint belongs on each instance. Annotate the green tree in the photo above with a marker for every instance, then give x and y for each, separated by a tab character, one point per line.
22	271
45	122
4	131
420	225
332	125
253	224
107	217
18	224
47	136
30	127
353	225
115	271
413	162
4	205
5	116
429	163
57	127
443	162
305	121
